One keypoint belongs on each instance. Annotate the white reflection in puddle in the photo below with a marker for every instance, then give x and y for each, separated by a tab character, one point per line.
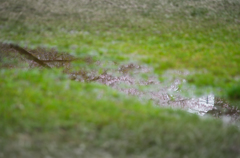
141	81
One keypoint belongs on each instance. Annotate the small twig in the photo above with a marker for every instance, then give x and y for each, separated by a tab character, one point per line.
61	61
28	55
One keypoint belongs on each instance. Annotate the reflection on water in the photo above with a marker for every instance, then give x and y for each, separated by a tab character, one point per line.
202	105
222	109
131	79
131	83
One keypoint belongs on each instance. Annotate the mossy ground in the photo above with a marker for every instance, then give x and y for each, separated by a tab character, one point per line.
44	114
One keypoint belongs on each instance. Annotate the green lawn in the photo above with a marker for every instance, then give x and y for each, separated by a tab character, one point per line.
46	108
202	37
42	113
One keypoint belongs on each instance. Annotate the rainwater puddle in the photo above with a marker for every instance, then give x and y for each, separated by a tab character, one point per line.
131	79
141	81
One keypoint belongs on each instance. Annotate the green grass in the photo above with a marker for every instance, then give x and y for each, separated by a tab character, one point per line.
42	113
46	107
202	37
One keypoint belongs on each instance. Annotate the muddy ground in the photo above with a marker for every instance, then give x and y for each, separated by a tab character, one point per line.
130	78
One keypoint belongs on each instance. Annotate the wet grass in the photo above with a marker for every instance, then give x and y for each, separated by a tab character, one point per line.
44	114
43	108
198	36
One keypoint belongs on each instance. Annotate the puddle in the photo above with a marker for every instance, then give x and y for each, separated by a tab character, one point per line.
131	79
223	110
127	79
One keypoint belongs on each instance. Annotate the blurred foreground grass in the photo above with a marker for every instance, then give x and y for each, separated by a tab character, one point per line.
44	114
